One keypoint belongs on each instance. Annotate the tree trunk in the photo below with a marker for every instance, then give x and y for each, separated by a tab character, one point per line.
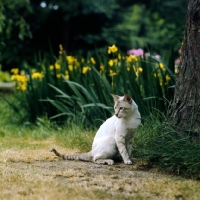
185	110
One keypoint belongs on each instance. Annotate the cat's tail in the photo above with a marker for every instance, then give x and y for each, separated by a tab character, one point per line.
83	156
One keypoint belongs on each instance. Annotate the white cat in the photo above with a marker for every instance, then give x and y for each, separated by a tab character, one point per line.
115	136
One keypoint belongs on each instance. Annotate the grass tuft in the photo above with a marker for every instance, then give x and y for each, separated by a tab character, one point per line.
159	145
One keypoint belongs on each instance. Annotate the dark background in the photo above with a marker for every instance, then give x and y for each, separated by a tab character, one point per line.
31	27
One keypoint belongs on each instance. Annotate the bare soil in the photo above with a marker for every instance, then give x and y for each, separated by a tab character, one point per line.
39	174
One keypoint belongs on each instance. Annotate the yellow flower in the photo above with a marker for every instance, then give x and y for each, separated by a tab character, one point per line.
15	70
92	60
67	76
102	69
112	49
162	66
60	47
36	75
70	67
58	75
140	70
134	57
57	65
119	56
131	58
167	77
111	63
176	71
21	87
19	78
85	69
128	68
51	67
115	60
13	77
112	73
128	59
70	59
155	75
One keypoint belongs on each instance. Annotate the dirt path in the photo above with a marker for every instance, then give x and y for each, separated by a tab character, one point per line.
38	174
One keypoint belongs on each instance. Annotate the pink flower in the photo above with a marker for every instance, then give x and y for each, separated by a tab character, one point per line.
147	54
157	56
136	52
177	61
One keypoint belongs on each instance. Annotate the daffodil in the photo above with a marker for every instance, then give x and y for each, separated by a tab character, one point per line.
167	77
102	69
92	60
57	65
70	67
58	75
112	73
111	63
112	49
22	87
70	59
139	71
36	75
162	66
51	67
15	71
85	69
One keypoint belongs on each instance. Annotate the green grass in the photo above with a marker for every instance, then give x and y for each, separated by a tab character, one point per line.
17	135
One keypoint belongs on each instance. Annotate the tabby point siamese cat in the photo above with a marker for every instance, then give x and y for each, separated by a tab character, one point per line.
115	136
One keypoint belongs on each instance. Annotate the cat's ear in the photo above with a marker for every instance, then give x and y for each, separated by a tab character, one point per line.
115	97
127	98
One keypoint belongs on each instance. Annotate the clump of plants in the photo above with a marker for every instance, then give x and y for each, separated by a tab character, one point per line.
159	144
79	87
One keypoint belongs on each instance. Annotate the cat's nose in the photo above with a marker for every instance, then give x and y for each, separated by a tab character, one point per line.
116	115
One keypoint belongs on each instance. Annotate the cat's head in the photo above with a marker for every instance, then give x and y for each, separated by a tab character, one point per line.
124	105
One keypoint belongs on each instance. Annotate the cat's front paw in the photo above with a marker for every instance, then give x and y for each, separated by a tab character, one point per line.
128	162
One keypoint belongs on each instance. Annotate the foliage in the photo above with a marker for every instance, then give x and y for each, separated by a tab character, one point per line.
14	29
74	87
27	27
158	144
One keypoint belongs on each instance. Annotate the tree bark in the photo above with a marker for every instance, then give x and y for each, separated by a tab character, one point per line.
185	110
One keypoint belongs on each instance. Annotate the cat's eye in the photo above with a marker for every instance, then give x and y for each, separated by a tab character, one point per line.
121	108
